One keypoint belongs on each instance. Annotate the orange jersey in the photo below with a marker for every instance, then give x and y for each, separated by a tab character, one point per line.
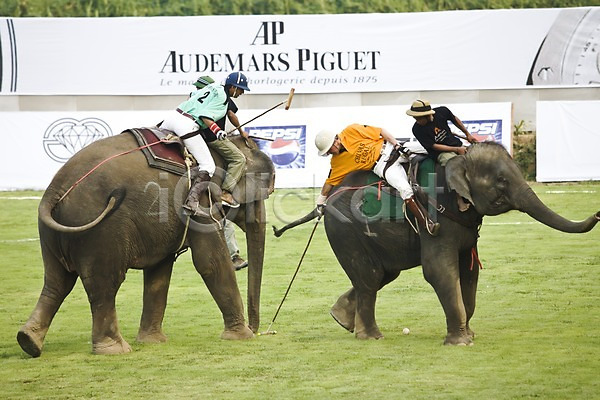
363	145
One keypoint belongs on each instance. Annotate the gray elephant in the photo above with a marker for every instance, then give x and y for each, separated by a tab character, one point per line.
137	222
373	251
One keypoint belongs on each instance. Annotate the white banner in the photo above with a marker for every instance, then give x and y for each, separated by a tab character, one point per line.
567	141
460	50
41	142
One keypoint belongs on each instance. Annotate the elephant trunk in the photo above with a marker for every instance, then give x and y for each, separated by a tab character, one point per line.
527	201
308	217
255	238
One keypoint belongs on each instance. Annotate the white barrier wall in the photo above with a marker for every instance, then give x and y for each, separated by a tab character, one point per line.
42	141
568	139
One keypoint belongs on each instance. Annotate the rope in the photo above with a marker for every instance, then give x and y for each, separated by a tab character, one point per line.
102	163
379	183
188	164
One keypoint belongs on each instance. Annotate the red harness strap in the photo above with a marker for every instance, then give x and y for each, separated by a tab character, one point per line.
105	161
475	257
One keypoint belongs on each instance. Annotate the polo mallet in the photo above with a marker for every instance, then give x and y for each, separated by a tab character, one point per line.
269	331
287	102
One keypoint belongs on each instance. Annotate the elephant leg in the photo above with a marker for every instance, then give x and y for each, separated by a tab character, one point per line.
344	310
469	276
58	283
365	325
101	289
355	309
441	270
156	288
211	259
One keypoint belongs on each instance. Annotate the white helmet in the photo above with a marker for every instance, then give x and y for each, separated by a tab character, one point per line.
324	141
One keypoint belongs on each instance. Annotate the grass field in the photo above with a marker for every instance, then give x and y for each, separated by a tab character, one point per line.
536	322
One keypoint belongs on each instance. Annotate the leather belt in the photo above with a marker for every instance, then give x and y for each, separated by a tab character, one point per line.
180	111
381	151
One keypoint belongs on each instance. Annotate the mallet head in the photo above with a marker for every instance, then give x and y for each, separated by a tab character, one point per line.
289	99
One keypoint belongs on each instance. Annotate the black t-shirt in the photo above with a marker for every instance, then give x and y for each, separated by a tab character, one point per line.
207	133
437	131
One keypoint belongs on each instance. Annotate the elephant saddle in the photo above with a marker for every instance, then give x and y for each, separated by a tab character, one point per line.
163	149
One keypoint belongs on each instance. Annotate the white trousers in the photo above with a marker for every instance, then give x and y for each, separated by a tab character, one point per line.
180	124
395	174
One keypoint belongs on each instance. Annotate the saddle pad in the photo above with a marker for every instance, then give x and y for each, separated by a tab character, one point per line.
167	156
380	204
389	205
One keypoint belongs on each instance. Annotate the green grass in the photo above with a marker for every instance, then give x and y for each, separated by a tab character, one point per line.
536	322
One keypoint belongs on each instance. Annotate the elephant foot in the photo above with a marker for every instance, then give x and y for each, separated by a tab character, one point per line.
341	317
111	346
470	333
458	340
344	310
369	334
237	334
151	337
30	342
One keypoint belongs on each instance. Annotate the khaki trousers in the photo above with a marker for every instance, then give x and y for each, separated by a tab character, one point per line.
236	162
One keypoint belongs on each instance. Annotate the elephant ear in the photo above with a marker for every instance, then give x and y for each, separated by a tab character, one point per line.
456	176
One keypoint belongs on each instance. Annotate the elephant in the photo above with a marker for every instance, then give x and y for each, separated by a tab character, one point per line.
373	251
137	222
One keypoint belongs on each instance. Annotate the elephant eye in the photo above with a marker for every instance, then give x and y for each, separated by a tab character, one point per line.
502	180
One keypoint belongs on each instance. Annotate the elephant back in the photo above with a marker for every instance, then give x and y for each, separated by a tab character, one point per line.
164	151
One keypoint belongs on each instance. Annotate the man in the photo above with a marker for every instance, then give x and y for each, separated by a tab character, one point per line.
199	111
432	131
363	147
236	162
235	85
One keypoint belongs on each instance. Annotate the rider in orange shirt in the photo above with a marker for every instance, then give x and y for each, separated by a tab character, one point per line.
364	147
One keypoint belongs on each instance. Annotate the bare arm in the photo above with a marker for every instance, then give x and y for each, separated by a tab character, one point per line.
236	122
462	127
325	190
452	149
322	199
388	136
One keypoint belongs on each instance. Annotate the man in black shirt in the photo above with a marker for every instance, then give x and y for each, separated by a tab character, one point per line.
432	131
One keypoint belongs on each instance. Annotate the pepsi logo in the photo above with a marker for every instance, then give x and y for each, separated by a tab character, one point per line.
286	145
284	152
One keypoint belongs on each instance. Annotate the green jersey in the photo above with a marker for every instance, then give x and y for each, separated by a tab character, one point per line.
209	102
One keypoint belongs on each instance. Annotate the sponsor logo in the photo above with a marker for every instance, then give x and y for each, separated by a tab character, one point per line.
483	130
285	145
340	65
67	136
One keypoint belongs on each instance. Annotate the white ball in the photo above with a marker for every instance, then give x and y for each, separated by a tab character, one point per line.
406	331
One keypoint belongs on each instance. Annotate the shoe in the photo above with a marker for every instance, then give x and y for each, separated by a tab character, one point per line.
191	205
421	215
228	200
238	262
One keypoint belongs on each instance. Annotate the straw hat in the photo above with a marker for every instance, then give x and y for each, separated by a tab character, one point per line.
420	108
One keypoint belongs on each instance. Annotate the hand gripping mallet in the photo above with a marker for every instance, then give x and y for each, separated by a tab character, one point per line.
269	331
287	102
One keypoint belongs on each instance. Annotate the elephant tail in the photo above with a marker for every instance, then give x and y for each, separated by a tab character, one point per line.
308	217
46	207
